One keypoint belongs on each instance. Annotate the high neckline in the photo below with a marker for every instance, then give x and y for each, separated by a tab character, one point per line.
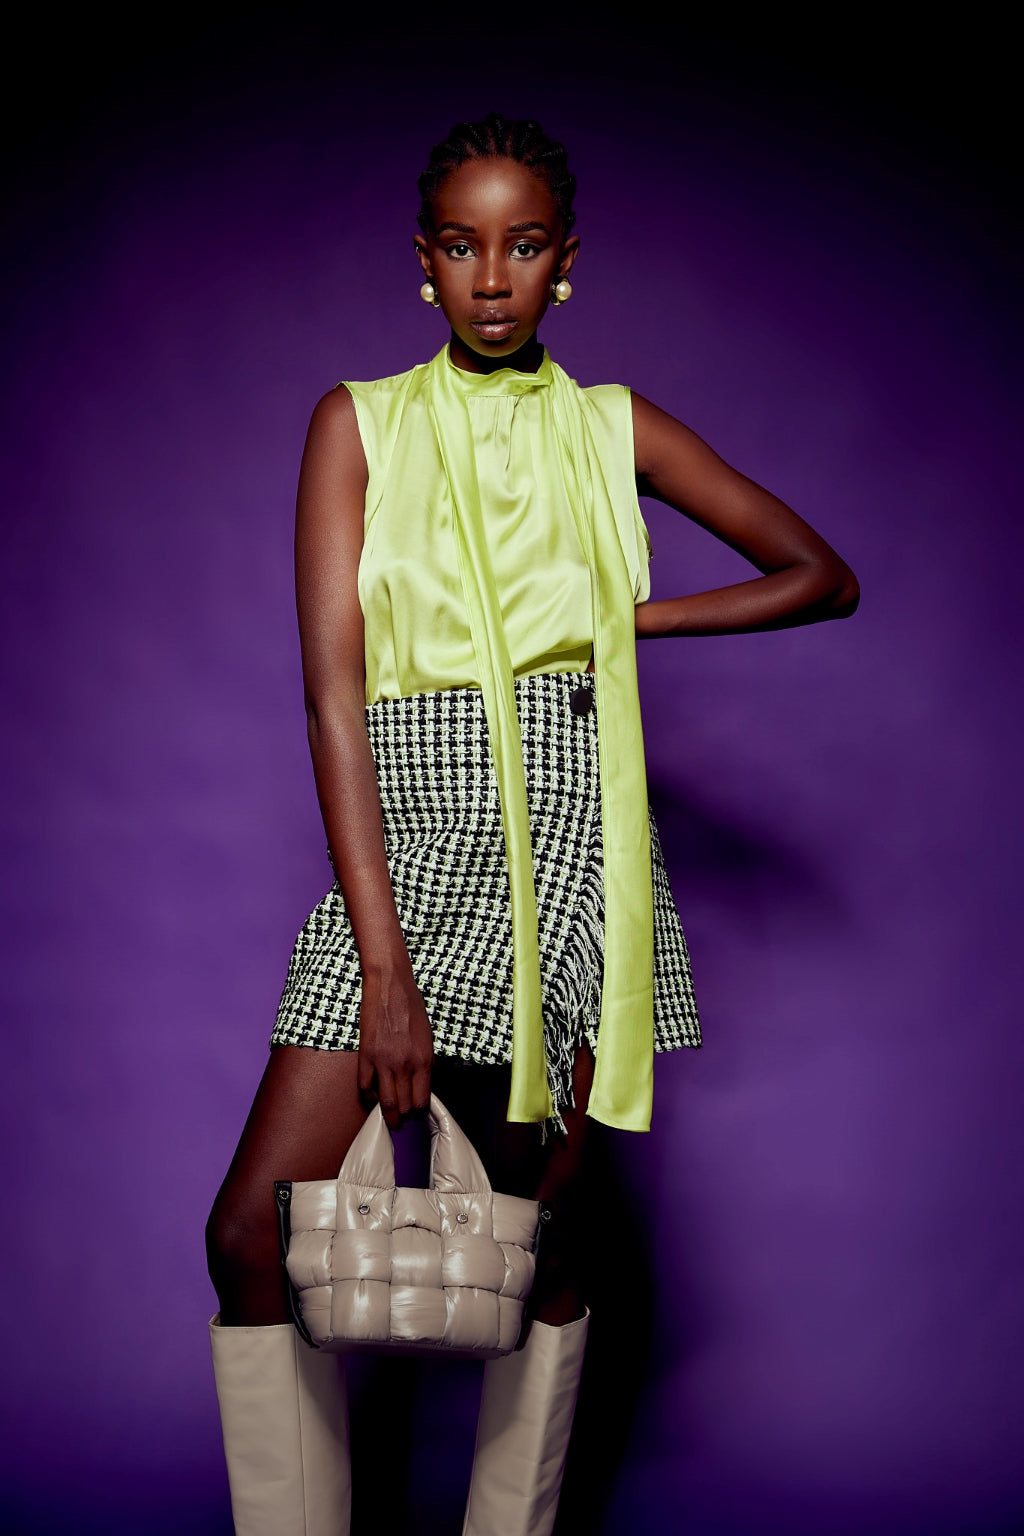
503	381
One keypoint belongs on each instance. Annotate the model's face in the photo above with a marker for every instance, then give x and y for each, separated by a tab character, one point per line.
494	251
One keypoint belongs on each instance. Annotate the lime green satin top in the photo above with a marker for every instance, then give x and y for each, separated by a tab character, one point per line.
503	537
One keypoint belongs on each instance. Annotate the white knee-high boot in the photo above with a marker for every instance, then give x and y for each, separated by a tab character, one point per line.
284	1414
526	1412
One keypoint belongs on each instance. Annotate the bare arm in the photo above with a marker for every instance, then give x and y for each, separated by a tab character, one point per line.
803	579
394	1032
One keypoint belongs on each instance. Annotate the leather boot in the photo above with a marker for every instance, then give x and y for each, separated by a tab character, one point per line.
284	1415
526	1412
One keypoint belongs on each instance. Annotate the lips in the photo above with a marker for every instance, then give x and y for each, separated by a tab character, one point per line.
493	325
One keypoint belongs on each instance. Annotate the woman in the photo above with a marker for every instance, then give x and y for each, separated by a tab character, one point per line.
471	565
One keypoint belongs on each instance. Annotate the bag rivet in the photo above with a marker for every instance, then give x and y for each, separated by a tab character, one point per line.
364	1210
462	1218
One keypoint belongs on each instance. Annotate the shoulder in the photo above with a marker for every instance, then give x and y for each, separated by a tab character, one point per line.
382	406
334	410
629	418
334	451
647	433
608	406
607	400
340	406
382	391
334	422
600	393
352	414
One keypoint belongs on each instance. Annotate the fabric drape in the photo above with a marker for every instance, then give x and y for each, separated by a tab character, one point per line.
462	425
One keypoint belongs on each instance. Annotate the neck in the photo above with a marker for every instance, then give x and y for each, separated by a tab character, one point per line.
526	359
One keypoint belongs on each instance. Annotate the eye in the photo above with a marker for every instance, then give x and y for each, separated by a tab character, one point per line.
460	250
524	249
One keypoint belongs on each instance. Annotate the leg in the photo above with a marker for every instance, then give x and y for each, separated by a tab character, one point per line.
284	1409
522	1438
557	1297
529	1397
284	1416
304	1117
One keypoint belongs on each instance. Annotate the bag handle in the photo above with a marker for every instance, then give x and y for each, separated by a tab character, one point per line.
454	1163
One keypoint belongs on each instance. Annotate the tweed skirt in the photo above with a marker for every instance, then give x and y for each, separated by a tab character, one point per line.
446	856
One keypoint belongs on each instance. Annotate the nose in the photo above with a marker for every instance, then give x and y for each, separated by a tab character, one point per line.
493	280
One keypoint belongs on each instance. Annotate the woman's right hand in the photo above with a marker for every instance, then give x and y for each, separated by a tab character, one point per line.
395	1043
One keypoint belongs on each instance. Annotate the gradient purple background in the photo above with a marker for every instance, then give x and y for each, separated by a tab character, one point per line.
816	1307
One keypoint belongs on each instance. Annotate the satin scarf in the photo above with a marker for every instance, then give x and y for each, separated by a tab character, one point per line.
623	1080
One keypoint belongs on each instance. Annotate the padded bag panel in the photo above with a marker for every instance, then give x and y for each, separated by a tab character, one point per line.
446	1268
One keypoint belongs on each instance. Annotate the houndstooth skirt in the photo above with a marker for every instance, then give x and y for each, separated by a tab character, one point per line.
446	855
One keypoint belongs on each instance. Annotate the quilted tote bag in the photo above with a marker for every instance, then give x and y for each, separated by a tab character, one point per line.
372	1266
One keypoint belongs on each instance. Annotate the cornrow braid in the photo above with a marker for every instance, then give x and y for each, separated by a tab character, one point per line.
497	138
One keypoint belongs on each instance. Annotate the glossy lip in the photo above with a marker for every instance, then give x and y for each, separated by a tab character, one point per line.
494	327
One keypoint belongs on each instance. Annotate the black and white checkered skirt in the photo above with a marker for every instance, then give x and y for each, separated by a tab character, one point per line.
446	854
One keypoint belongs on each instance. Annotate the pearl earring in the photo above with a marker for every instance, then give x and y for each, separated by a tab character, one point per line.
561	291
428	293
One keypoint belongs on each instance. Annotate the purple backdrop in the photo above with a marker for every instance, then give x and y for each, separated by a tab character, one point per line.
814	1322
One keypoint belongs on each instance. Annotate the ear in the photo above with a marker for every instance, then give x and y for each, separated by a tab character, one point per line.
420	245
570	250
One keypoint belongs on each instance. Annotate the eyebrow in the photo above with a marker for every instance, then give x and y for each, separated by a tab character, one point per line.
470	229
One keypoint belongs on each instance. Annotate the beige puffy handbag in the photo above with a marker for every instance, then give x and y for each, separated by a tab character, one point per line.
423	1271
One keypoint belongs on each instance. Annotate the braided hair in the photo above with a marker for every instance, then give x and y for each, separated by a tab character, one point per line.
498	138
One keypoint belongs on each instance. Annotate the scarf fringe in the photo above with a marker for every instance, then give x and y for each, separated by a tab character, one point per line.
573	1009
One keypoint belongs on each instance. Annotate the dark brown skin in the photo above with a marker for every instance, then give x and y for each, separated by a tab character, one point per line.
494	252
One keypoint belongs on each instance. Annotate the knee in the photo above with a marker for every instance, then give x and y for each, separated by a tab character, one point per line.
241	1237
557	1294
558	1264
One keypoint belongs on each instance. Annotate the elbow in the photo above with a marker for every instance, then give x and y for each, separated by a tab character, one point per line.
832	591
845	596
330	715
314	727
315	714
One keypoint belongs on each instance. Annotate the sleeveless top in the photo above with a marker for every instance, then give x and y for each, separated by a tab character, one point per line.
503	537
